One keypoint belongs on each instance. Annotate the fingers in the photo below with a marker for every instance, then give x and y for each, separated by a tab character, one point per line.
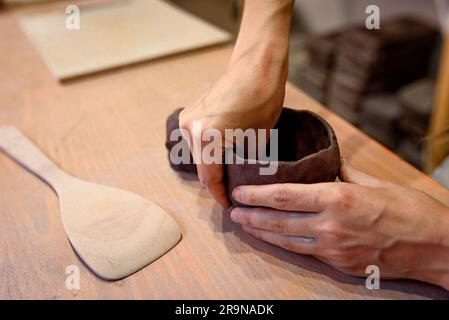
281	222
348	173
301	245
286	197
211	177
305	197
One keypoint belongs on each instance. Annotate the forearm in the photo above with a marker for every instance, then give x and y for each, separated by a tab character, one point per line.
433	265
264	32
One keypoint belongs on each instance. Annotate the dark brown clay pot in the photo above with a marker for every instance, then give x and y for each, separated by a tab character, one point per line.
308	153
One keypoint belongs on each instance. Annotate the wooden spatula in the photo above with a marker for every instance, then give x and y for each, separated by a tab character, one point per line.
115	232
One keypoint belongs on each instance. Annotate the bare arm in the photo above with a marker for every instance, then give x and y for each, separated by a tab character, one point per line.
264	31
251	92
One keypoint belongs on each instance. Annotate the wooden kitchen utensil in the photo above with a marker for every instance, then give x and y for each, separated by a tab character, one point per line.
115	232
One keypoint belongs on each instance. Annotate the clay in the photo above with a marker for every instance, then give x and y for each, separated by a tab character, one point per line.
308	153
171	125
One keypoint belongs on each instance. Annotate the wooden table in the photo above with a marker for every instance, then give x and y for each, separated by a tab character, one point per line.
109	128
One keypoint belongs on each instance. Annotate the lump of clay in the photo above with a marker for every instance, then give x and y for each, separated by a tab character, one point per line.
171	125
308	153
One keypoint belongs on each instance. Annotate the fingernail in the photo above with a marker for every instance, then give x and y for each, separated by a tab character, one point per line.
235	215
307	239
237	194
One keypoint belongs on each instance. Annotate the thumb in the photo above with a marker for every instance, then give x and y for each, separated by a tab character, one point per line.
211	176
348	173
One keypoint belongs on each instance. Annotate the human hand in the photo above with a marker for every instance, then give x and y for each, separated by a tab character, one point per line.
251	92
350	225
249	95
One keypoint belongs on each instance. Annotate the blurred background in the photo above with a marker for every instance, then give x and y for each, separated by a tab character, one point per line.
391	83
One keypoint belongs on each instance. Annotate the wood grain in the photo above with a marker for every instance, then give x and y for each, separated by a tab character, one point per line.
115	232
109	128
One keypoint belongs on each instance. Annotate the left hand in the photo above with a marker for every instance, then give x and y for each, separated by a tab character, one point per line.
352	224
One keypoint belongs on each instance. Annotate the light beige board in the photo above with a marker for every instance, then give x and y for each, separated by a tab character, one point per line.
115	232
115	34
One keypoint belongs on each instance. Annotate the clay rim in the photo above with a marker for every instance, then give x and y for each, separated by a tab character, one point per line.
330	135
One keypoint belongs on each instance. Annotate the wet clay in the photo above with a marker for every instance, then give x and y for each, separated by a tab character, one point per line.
308	153
172	124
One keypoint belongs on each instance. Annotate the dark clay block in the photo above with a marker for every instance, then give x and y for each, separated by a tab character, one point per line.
171	125
308	153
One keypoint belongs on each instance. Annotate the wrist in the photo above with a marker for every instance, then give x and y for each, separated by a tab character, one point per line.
265	25
262	74
267	55
443	279
435	253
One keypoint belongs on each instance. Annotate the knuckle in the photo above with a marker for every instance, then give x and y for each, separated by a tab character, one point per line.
281	197
343	199
184	123
334	233
337	236
328	228
277	224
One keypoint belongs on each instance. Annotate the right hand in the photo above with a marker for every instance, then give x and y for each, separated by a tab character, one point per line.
249	95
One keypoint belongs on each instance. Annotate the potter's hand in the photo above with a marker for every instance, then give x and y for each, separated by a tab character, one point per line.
363	221
247	96
251	92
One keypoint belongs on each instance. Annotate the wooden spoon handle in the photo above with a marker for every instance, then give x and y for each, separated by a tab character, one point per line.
21	149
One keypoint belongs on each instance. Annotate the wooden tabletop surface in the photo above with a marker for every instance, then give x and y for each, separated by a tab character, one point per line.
109	128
